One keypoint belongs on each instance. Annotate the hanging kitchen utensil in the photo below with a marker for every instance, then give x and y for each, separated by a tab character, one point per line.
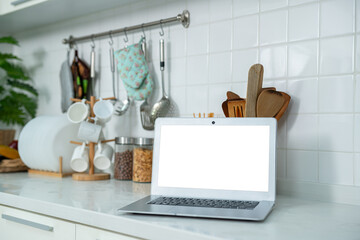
120	107
89	88
161	108
134	71
80	72
66	83
254	86
269	103
145	107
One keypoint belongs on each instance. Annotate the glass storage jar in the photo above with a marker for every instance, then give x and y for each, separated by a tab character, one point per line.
143	154
123	166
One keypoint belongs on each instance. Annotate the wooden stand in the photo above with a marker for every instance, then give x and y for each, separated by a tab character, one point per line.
90	176
59	174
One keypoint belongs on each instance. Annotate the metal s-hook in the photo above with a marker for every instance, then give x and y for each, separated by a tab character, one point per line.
111	42
162	30
126	39
142	28
93	42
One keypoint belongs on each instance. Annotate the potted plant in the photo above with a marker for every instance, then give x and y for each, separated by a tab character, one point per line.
18	97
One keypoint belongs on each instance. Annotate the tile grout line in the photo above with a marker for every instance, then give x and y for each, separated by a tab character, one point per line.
318	92
286	85
354	86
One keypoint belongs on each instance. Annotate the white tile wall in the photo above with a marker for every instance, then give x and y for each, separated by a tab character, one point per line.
336	17
281	164
302	165
220	36
336	168
309	49
336	132
303	59
301	27
300	130
304	94
357	169
336	55
272	4
246	32
273	27
244	7
342	88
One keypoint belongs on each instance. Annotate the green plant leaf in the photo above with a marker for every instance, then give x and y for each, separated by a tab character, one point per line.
11	111
29	104
24	86
9	40
4	56
14	70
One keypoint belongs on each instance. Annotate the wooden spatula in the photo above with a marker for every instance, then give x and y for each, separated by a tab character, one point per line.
232	96
284	107
269	103
236	108
254	87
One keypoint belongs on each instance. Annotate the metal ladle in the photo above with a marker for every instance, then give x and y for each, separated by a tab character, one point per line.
145	107
120	107
161	108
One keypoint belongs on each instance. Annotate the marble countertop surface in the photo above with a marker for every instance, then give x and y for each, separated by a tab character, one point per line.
96	203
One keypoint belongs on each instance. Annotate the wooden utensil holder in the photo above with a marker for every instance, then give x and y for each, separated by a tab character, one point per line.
91	176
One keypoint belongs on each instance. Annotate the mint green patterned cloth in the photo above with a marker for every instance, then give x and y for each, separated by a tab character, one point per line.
134	71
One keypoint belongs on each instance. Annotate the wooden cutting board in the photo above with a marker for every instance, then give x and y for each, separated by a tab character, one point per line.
12	165
254	87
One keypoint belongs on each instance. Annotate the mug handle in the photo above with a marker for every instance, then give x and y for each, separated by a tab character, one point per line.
83	148
99	147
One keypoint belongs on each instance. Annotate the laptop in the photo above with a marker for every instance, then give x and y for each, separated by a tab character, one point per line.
212	168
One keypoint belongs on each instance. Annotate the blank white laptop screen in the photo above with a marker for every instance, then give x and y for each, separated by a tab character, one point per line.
214	157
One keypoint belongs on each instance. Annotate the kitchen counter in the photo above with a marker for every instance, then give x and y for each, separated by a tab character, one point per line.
96	203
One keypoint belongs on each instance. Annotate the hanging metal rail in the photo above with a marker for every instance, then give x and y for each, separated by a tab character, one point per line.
184	18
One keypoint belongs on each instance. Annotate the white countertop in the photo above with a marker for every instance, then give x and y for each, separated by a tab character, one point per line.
95	204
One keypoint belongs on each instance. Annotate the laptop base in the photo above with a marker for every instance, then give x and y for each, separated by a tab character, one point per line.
259	213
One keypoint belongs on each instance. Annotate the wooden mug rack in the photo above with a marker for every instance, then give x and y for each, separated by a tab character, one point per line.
91	176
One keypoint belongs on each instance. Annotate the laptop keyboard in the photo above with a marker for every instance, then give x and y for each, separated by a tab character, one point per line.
209	203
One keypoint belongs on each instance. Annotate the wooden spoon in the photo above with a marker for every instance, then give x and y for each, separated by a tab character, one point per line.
269	103
232	96
284	107
254	87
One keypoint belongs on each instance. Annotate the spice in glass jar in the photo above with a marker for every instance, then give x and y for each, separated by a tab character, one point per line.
123	166
142	166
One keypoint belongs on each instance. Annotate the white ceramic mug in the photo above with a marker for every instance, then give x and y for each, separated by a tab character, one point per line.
103	110
78	112
89	132
80	159
103	155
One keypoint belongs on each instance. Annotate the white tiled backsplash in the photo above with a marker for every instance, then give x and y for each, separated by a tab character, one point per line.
309	49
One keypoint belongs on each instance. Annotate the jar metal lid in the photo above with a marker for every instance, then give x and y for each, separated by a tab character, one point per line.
124	140
144	141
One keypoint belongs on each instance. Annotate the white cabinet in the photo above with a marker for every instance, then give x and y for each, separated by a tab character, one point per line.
90	233
17	224
8	6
